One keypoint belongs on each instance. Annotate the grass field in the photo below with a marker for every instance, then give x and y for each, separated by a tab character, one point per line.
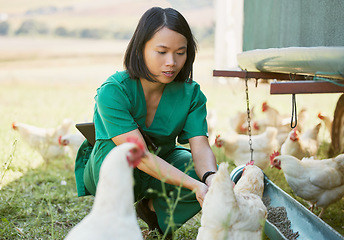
44	81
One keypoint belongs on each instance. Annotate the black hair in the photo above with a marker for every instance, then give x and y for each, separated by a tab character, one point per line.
151	22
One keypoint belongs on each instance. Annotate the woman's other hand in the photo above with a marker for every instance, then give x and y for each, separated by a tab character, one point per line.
200	192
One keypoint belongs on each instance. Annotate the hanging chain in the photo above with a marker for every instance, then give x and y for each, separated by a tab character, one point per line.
248	115
293	105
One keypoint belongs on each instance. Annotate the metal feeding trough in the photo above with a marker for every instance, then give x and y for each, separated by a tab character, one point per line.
302	221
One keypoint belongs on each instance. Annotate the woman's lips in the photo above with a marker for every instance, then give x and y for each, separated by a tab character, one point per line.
168	73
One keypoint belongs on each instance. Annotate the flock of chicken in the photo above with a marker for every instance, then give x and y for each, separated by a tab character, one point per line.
51	143
228	212
319	181
270	133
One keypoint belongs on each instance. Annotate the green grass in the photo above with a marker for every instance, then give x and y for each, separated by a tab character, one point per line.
42	204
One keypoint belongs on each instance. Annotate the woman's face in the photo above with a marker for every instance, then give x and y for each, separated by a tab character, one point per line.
165	55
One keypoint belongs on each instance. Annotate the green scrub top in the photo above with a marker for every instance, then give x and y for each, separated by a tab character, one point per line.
120	104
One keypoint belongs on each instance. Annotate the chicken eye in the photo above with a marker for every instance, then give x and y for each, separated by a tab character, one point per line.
134	150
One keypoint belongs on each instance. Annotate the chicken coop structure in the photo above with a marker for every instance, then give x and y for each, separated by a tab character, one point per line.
300	45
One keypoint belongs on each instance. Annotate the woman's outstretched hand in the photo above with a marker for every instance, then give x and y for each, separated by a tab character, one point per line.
200	192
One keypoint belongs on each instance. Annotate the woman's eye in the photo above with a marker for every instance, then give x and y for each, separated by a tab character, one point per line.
161	52
181	53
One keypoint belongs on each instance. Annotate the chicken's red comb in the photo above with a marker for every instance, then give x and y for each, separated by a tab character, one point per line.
14	125
256	125
247	164
60	142
273	155
264	106
136	140
217	143
250	163
320	116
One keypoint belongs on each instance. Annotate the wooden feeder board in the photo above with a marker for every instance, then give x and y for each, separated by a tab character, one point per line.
299	85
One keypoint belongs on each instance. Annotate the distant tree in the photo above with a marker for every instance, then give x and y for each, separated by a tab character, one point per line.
4	28
64	32
123	34
61	31
32	27
91	33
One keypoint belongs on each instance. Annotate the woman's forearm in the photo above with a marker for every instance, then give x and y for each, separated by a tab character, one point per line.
202	155
163	171
159	168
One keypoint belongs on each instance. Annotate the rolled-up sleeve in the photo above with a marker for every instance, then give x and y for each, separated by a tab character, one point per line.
113	115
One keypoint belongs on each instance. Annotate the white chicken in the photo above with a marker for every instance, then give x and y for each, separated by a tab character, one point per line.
44	140
239	123
113	215
302	145
302	118
327	119
272	116
237	147
321	182
237	213
72	141
281	122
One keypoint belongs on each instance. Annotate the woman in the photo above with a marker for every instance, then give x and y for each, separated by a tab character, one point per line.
156	94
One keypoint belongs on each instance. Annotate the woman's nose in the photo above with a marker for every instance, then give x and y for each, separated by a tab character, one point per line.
170	61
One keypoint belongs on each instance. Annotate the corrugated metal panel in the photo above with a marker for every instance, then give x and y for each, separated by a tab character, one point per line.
293	23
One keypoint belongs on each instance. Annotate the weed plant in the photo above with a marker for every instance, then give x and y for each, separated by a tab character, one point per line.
172	200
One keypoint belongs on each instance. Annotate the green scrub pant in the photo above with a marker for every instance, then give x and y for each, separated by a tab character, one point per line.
164	195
